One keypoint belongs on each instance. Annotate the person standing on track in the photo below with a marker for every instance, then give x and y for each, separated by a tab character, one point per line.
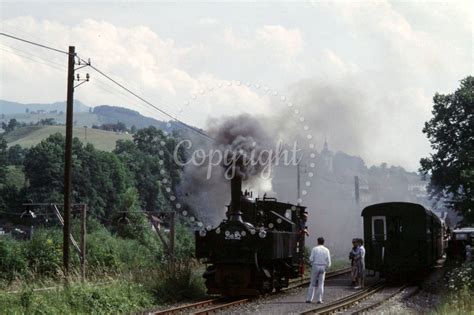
352	257
360	262
320	260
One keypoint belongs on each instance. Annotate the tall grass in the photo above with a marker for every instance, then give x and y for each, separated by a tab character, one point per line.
460	291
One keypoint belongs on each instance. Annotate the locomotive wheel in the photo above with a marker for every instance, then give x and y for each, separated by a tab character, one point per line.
266	287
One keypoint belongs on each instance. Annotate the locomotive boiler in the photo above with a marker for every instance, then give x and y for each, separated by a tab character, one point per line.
258	248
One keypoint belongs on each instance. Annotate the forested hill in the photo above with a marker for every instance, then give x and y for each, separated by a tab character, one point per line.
83	115
112	114
8	108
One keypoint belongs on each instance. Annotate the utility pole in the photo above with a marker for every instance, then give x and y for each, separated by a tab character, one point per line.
298	193
172	250
68	150
356	188
83	241
68	159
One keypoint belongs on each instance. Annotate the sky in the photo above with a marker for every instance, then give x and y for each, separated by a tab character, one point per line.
360	74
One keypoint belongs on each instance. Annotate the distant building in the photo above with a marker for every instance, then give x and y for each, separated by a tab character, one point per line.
326	159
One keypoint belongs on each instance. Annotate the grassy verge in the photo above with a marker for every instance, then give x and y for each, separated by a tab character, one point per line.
125	293
460	291
118	297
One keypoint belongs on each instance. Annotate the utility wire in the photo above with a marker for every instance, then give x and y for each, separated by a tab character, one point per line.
32	58
115	82
149	103
33	43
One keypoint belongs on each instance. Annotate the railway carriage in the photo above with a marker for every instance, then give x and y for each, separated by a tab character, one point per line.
402	239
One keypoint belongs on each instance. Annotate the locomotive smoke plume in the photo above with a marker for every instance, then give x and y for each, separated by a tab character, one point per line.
240	136
248	143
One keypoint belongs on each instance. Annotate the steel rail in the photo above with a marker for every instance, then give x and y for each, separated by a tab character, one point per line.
347	301
219	307
217	302
186	307
378	303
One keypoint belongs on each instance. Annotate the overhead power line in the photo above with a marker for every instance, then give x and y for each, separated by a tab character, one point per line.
33	43
32	57
149	103
115	82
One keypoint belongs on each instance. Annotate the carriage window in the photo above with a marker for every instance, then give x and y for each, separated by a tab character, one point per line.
379	228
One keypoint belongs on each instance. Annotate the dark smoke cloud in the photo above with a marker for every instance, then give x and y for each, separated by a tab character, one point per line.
245	137
207	197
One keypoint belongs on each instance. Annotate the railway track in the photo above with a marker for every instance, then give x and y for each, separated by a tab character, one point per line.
385	296
212	306
347	301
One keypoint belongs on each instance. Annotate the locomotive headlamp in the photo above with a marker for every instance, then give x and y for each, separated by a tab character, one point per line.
218	231
262	234
202	233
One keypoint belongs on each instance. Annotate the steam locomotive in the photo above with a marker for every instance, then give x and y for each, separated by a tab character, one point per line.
257	249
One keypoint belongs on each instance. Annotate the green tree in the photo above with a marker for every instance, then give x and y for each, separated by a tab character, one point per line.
16	155
99	178
12	124
150	159
451	165
44	170
3	159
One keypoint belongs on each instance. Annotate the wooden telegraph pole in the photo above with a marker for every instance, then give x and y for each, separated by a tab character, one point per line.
68	159
356	189
83	241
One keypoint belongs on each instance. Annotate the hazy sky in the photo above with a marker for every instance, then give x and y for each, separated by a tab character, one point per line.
383	60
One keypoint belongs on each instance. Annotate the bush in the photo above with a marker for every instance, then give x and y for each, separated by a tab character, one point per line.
182	283
13	262
44	252
105	250
101	249
460	285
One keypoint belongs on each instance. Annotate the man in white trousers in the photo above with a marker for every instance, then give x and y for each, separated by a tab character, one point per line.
320	260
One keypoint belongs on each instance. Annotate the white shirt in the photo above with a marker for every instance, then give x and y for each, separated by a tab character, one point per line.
362	252
320	256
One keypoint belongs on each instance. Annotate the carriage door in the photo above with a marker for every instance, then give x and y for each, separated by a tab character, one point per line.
379	236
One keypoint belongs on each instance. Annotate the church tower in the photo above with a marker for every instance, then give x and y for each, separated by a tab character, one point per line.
326	158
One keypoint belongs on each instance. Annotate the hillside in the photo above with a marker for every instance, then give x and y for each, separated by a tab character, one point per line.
83	115
80	119
107	114
7	107
32	135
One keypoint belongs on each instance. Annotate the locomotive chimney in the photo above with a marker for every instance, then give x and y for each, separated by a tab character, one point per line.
235	213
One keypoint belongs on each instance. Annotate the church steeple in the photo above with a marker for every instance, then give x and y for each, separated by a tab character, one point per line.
326	157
